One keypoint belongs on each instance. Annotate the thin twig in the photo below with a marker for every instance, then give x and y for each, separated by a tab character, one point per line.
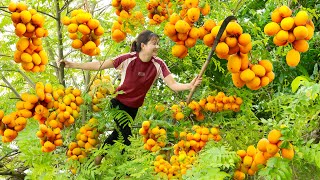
4	55
10	87
14	152
65	6
235	9
5	10
31	83
4	86
48	15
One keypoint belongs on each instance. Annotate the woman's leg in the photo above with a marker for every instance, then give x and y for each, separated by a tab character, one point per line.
125	130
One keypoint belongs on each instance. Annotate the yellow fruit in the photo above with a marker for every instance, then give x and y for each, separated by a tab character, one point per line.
251	151
244	39
72	28
182	26
300	32
247	161
84	29
274	136
12	7
22	44
271	29
285	11
301	18
272	149
222	48
66	20
264	81
287	23
233	28
258	70
231	41
77	43
310	32
288	153
237	80
247	75
293	58
282	35
254	84
25	16
300	45
262	144
25	57
275	16
266	64
260	159
234	63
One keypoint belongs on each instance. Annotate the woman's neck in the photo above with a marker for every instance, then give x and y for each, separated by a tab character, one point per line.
144	57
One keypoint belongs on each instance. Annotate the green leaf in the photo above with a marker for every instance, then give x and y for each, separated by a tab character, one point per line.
297	82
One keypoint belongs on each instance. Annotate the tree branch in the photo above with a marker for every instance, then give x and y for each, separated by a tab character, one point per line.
65	6
12	153
236	9
1	8
10	87
4	86
18	175
32	84
4	55
60	44
48	15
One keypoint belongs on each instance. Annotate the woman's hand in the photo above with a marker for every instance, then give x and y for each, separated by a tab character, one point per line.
67	64
196	82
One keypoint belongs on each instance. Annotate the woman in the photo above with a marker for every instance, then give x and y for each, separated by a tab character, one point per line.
139	70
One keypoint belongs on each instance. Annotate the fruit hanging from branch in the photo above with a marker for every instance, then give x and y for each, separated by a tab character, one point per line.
29	27
287	29
84	31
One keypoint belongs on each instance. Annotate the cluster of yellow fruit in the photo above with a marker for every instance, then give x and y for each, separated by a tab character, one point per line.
85	31
288	29
174	169
254	76
185	152
181	29
177	113
232	41
16	121
29	27
126	18
99	89
50	137
266	149
192	143
11	124
87	139
159	11
153	138
214	104
65	106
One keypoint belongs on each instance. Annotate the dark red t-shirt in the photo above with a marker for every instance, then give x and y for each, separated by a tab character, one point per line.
137	77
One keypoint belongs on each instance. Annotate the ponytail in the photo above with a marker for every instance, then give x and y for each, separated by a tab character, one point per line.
144	37
134	47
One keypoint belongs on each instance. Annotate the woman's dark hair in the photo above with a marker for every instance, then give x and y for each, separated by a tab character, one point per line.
144	37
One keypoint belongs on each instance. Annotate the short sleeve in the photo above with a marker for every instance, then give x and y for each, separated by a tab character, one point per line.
118	62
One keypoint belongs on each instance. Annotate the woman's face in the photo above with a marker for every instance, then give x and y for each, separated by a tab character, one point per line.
152	47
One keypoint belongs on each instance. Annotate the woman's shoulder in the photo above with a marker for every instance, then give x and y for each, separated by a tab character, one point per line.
126	55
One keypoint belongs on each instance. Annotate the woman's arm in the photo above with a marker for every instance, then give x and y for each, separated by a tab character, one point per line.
97	65
175	86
